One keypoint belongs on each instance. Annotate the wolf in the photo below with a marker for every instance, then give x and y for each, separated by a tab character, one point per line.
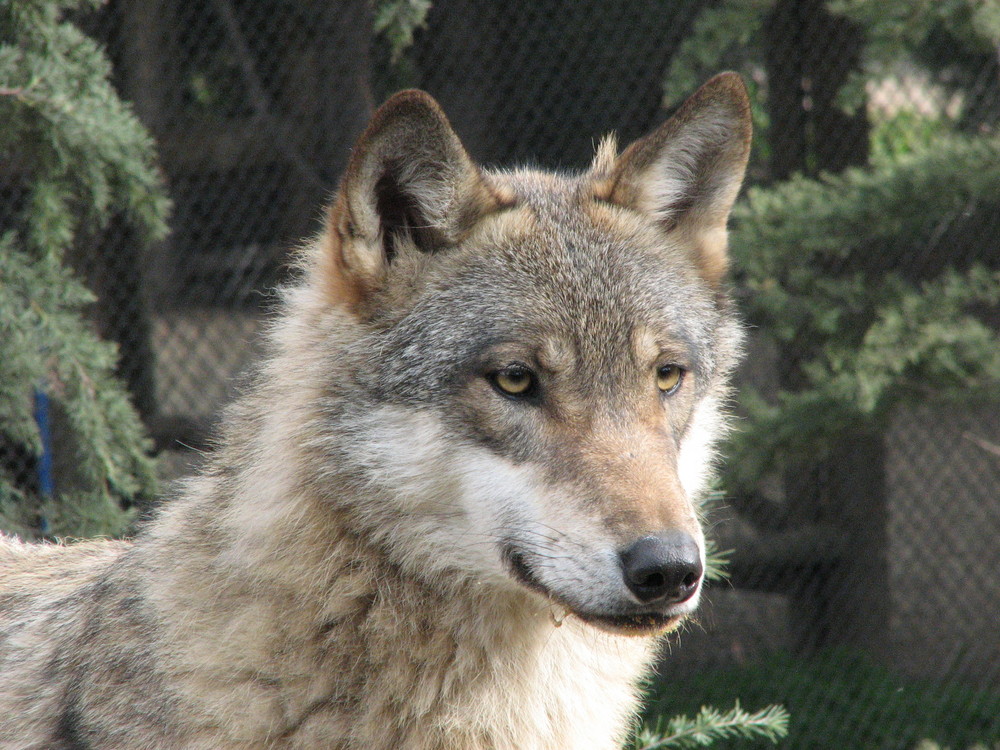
458	505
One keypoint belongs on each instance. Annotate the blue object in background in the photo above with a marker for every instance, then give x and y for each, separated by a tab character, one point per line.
46	476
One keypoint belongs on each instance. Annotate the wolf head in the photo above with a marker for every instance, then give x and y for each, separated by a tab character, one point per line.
527	368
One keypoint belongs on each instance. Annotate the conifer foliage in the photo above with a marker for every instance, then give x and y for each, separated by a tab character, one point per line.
72	155
837	269
711	725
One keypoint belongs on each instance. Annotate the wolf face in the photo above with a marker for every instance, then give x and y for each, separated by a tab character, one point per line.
537	360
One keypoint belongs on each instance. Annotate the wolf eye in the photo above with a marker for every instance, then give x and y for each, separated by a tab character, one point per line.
515	380
668	378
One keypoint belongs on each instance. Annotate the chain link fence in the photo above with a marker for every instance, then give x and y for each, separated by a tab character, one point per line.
254	105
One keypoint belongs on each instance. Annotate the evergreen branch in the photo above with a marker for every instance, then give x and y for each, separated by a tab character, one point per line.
889	209
711	725
398	20
716	560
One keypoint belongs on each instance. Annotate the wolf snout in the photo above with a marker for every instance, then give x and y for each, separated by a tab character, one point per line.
664	568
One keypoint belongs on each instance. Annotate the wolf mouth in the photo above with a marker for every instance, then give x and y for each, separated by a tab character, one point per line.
635	623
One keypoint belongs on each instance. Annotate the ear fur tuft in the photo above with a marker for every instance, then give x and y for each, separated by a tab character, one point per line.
605	157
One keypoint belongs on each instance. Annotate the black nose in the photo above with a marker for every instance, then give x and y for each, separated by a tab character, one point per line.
665	568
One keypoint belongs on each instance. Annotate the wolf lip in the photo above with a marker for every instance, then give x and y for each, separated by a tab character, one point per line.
523	572
645	623
637	623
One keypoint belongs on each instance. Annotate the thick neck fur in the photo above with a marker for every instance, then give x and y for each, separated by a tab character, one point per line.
445	661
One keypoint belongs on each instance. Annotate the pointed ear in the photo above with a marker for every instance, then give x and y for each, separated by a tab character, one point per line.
686	174
409	186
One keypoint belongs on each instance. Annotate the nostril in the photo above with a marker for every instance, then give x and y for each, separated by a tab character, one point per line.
646	586
663	568
654	580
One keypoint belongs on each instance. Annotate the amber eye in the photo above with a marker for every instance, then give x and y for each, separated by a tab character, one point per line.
668	378
515	380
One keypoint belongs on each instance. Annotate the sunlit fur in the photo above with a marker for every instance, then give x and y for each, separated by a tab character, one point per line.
386	550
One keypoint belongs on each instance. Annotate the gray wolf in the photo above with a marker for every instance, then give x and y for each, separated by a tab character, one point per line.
459	503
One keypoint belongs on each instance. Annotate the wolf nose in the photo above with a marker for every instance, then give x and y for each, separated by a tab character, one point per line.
665	568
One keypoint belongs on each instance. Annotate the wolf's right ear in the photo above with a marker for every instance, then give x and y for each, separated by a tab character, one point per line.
409	185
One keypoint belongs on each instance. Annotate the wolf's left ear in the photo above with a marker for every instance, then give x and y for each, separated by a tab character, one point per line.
409	186
687	173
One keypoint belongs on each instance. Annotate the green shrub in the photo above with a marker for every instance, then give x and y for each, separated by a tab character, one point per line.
840	699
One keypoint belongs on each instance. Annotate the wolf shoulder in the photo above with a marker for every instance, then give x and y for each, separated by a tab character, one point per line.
44	591
42	570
